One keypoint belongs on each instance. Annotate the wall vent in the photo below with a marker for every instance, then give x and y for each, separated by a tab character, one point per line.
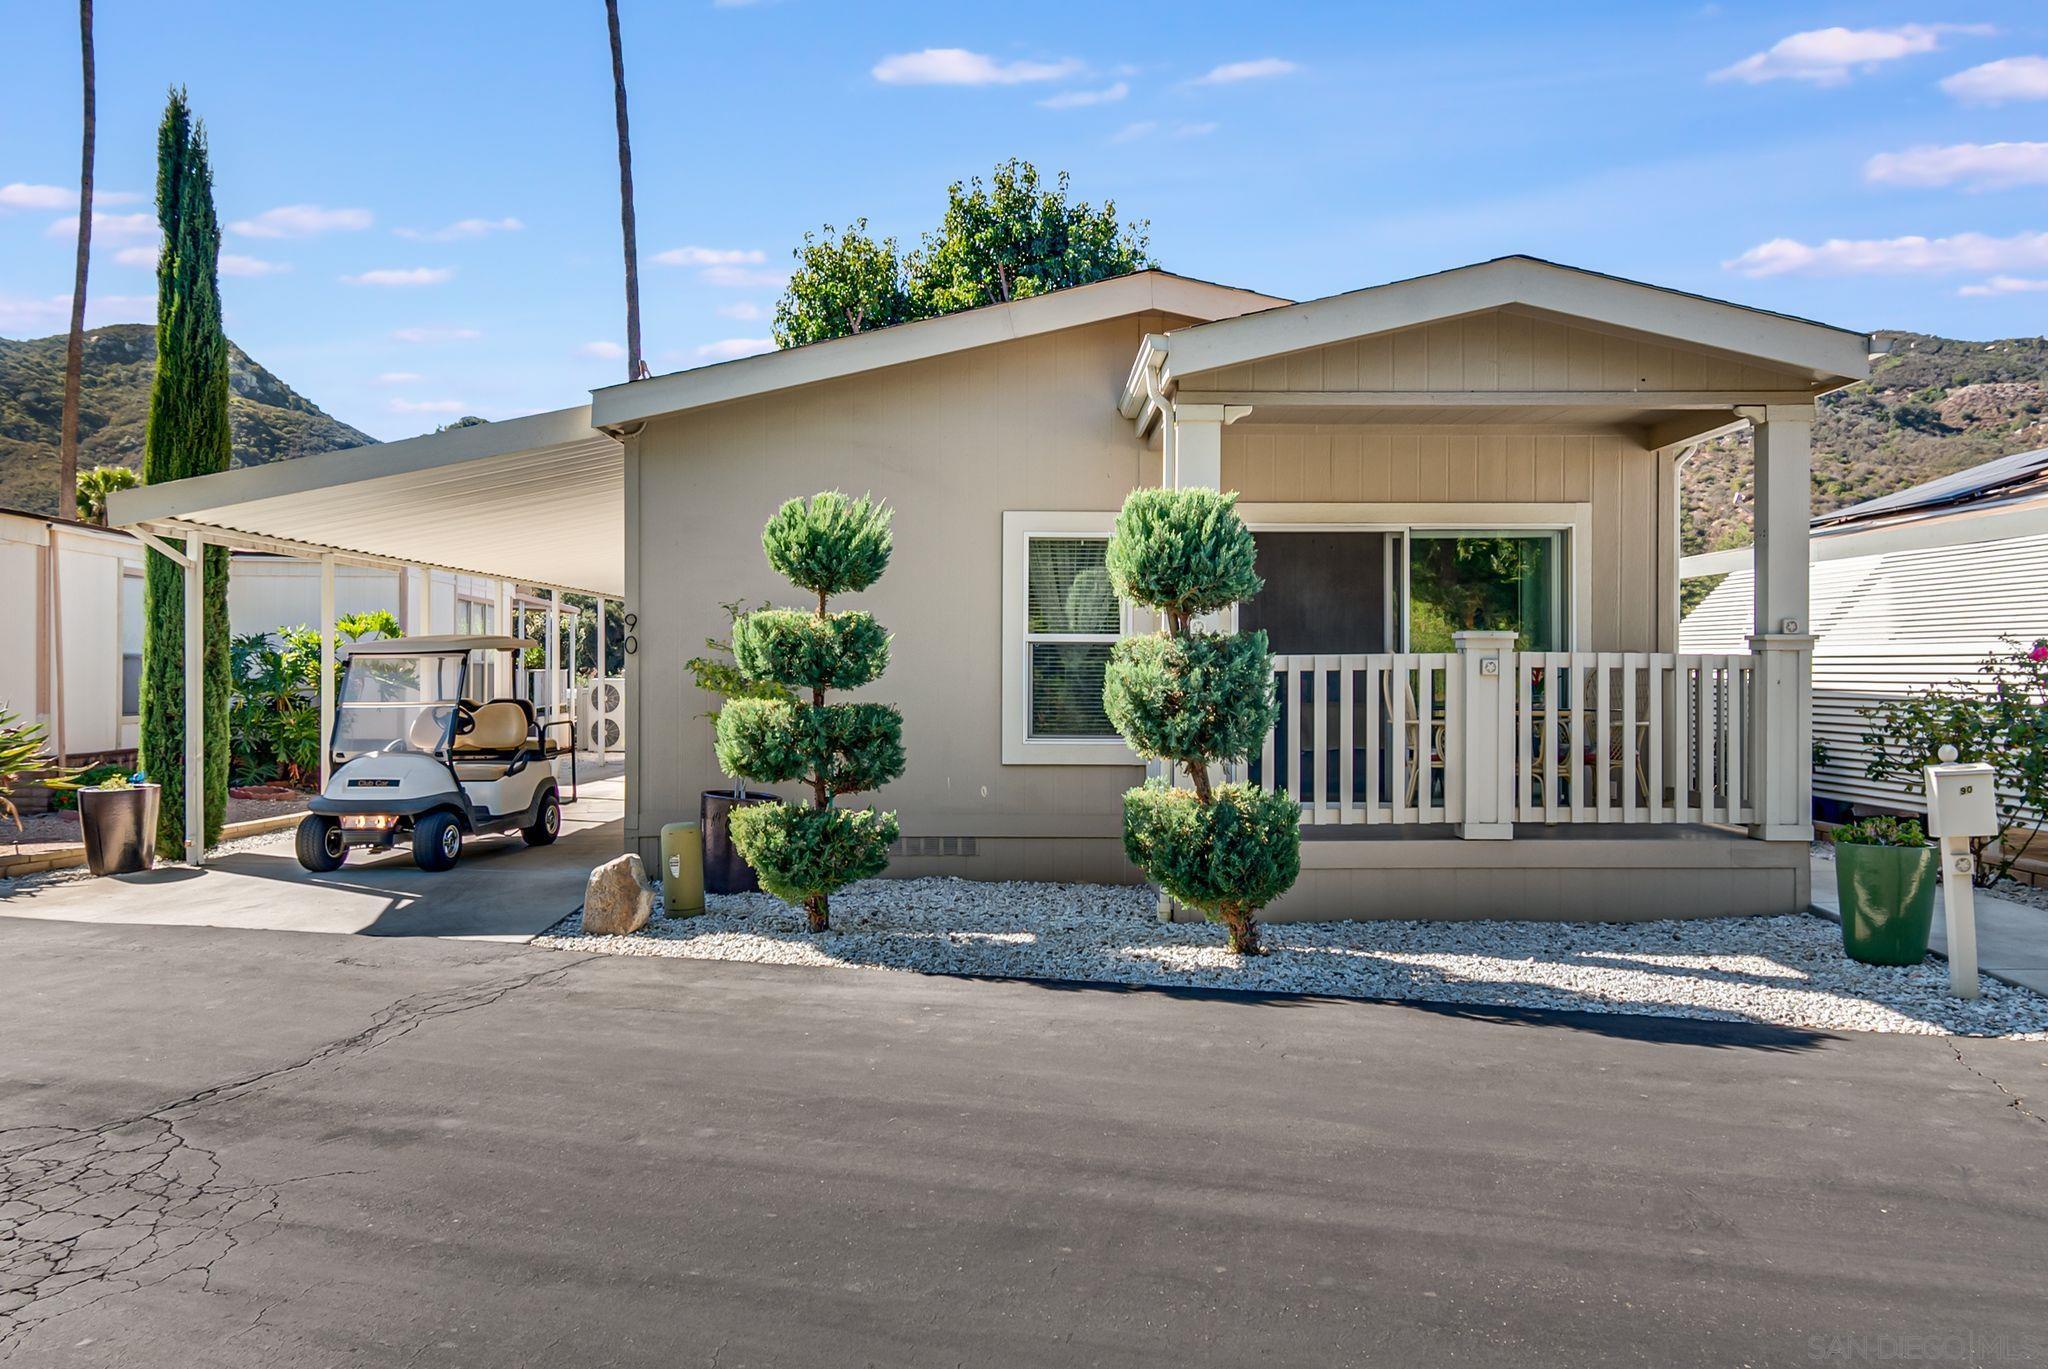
933	846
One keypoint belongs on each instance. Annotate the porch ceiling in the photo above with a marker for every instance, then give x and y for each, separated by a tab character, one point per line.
537	500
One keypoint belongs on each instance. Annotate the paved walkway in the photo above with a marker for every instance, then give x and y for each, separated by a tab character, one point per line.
2012	938
254	1149
501	889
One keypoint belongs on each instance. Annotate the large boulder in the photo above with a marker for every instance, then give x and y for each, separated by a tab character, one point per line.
618	900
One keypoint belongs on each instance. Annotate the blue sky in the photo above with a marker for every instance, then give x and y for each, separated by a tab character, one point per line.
423	211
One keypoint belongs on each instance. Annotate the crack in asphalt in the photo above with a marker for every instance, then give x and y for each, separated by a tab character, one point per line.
88	1214
2017	1102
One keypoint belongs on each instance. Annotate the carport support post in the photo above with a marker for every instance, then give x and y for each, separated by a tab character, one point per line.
596	709
554	654
326	671
195	700
1781	758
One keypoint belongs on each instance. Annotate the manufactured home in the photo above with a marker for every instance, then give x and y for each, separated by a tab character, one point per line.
1464	490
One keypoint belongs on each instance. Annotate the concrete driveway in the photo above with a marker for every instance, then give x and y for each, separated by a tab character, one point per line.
238	1148
500	889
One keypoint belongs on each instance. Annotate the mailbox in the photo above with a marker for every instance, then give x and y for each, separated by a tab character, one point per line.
1962	801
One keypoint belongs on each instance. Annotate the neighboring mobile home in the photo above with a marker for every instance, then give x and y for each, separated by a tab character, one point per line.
1910	591
1465	495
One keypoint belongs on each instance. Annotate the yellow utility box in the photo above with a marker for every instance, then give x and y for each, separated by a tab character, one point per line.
682	870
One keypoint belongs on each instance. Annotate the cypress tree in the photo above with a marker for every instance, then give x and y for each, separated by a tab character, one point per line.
188	435
827	545
1198	698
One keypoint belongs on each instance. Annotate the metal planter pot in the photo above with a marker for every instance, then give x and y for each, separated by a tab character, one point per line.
1887	895
119	826
725	870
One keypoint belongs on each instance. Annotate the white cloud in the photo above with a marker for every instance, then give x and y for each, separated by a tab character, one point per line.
732	348
235	264
20	195
1893	256
22	316
711	256
1974	166
609	351
1081	99
403	276
743	309
137	256
959	67
2005	285
301	221
744	278
428	336
400	378
1259	69
1829	57
2008	78
427	406
461	229
106	227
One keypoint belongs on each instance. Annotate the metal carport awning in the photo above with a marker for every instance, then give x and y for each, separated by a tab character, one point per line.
537	501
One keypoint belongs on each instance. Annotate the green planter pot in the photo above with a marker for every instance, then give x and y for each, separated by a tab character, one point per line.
1887	895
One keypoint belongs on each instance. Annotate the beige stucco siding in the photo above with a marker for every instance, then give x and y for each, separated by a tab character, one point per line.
951	443
1630	490
1501	349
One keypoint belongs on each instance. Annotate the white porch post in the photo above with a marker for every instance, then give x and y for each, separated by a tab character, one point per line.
1192	446
1781	762
1486	734
195	700
326	671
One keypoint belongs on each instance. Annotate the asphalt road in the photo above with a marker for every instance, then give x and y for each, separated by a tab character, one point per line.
231	1147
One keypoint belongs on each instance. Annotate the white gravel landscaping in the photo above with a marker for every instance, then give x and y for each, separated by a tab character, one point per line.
1787	971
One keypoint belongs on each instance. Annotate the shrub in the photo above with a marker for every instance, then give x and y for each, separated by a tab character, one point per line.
1880	830
720	676
1197	699
274	712
828	544
2001	717
24	756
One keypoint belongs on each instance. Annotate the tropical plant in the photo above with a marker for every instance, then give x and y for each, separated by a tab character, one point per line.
74	345
1198	698
1009	239
719	674
96	484
843	284
24	755
828	545
188	435
635	368
1882	829
92	777
2000	718
274	721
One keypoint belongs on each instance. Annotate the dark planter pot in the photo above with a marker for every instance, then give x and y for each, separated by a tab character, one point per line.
725	870
1887	895
119	826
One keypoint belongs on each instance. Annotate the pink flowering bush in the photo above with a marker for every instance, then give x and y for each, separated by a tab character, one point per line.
2000	717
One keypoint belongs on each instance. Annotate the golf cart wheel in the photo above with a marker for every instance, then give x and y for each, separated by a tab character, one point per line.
319	843
436	841
547	824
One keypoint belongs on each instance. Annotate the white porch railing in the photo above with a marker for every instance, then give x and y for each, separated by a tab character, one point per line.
1488	736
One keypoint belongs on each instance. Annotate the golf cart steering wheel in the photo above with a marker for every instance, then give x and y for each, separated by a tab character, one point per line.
465	717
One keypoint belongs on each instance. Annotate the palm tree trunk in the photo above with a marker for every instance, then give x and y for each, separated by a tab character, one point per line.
74	350
634	368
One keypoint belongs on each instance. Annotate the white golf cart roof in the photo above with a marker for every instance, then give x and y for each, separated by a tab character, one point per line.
444	642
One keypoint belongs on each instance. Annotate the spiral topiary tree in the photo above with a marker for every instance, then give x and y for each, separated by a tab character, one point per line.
828	545
1198	698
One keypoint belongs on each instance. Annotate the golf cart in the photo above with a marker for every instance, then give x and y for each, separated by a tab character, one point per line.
416	757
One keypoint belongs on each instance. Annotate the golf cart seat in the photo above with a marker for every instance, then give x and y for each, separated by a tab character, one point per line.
500	725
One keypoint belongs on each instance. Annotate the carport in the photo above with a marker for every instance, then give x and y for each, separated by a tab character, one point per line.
538	501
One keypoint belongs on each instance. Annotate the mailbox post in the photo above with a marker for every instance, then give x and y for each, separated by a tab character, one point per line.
1962	802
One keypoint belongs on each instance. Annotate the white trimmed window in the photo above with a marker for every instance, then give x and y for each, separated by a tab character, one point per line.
1060	619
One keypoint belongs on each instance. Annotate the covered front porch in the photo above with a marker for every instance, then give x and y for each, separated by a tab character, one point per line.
1465	494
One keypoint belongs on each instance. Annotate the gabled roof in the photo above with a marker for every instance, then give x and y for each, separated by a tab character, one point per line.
1140	292
1826	355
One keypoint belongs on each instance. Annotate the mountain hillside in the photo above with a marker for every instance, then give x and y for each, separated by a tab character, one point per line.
1932	406
271	421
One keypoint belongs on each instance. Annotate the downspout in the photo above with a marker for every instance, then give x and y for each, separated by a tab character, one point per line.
57	650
